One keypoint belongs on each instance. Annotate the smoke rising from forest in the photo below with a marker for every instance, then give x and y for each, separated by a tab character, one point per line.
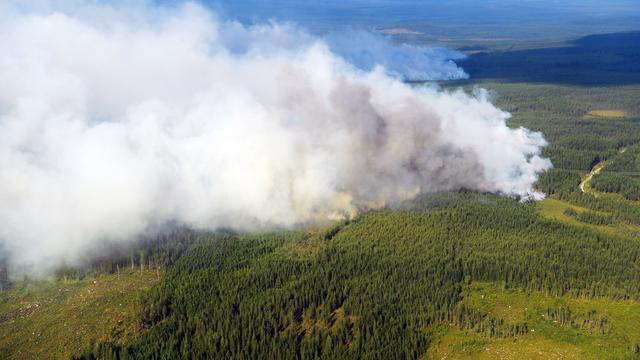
117	118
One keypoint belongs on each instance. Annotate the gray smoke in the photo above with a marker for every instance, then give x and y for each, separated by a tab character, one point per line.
116	118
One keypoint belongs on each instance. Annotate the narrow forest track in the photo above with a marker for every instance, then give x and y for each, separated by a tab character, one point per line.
584	185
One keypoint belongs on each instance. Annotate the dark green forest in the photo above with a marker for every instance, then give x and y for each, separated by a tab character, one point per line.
371	287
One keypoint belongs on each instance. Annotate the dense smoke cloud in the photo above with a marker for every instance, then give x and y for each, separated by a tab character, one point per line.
115	119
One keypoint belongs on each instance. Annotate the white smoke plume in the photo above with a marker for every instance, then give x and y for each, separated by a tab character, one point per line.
116	118
367	50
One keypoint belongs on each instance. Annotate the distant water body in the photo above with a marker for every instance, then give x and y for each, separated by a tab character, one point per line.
320	14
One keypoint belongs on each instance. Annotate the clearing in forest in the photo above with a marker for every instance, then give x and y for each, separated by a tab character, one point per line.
56	319
561	327
607	113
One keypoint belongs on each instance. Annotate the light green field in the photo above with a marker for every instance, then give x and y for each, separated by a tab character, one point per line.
554	209
607	113
53	320
547	337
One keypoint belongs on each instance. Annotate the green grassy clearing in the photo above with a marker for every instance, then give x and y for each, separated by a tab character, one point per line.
608	113
55	319
582	337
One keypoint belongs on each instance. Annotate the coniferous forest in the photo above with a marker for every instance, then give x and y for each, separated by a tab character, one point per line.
371	287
